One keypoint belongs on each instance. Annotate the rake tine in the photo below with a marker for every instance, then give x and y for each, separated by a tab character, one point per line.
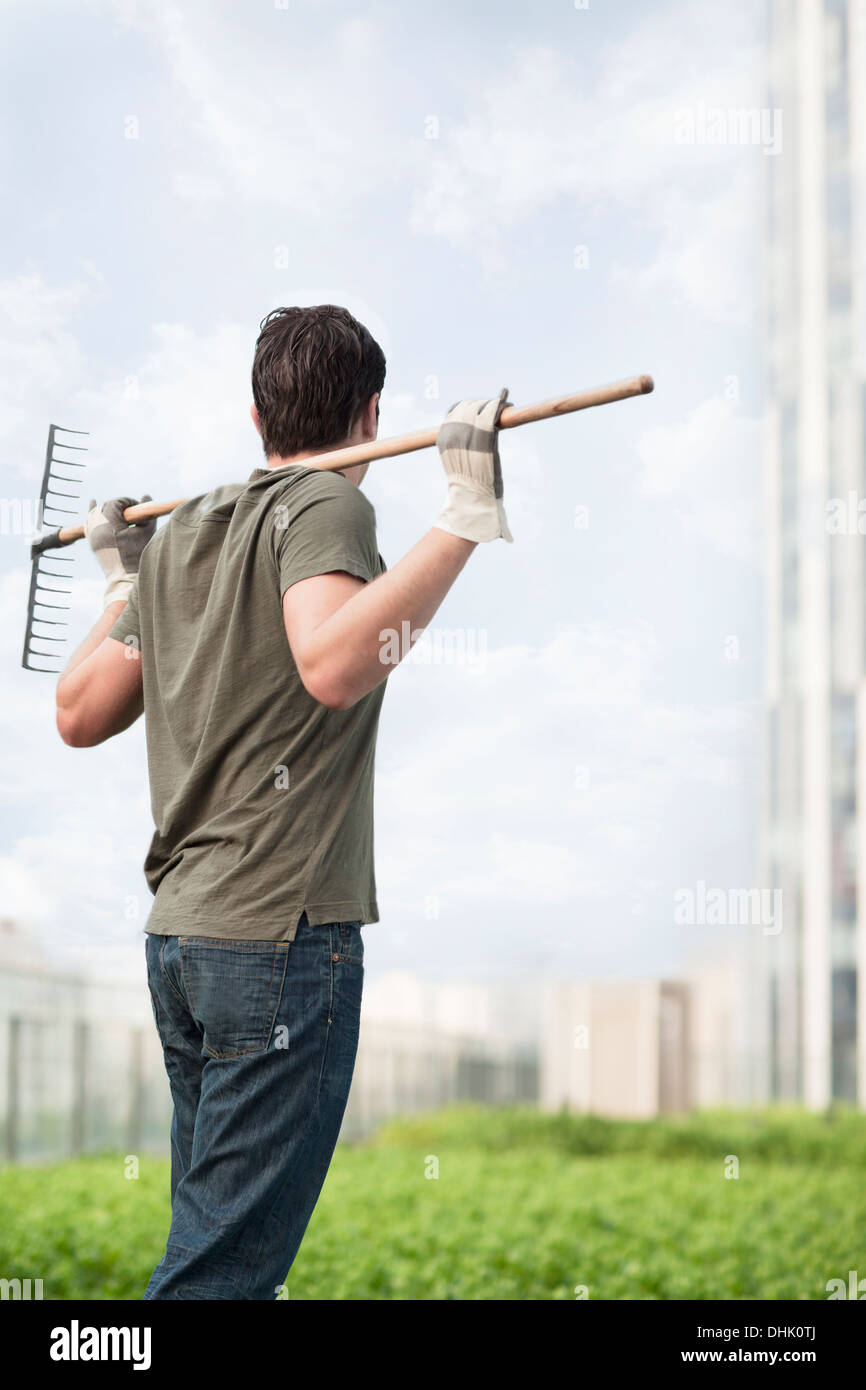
33	657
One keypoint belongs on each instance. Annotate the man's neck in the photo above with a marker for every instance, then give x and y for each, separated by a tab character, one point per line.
355	473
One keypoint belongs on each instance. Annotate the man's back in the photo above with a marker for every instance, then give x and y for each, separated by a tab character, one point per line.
262	798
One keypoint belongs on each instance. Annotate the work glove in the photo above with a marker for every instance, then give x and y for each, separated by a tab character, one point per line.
468	444
117	544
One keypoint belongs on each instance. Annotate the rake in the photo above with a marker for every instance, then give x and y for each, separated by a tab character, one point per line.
332	461
50	512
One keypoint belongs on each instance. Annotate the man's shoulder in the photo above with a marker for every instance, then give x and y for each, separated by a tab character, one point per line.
216	504
295	493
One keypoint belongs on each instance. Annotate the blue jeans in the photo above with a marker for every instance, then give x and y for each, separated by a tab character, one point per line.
259	1040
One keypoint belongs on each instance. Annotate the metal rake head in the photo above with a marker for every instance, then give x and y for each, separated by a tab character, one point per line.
44	580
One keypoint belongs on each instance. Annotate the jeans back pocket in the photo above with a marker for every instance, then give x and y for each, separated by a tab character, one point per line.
233	989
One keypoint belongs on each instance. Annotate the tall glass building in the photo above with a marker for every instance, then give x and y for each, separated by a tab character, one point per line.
814	811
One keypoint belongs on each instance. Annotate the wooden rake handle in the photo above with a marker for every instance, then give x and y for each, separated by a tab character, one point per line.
336	459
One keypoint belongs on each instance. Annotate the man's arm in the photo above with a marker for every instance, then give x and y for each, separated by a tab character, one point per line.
341	630
99	694
338	626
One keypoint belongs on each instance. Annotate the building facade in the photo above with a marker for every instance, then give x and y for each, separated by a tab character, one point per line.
813	822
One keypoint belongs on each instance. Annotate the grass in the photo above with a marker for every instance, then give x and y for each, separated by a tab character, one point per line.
525	1206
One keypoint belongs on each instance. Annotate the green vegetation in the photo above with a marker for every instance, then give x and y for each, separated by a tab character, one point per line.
525	1206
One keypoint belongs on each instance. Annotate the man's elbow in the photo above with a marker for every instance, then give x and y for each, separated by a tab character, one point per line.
72	732
76	731
68	730
329	688
332	696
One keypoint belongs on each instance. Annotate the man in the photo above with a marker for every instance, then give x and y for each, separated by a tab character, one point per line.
251	629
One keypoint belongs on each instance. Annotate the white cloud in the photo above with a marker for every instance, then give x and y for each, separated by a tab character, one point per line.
282	132
568	738
705	252
75	823
709	462
40	358
523	870
177	422
567	140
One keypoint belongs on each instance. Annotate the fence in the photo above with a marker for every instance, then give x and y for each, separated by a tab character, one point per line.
82	1070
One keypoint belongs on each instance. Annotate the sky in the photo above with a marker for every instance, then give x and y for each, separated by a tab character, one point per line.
513	194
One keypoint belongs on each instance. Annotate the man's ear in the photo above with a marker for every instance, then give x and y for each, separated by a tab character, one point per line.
254	414
372	420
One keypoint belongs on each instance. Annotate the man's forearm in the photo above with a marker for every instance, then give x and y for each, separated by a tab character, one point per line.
100	692
355	636
68	686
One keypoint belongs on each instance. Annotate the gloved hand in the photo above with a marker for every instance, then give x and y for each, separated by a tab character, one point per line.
468	443
117	544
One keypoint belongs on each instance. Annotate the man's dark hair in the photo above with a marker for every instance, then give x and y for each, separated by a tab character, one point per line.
314	370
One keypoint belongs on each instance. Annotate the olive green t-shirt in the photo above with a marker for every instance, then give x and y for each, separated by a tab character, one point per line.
262	798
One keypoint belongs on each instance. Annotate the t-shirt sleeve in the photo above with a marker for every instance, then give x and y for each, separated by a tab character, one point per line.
128	626
333	528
